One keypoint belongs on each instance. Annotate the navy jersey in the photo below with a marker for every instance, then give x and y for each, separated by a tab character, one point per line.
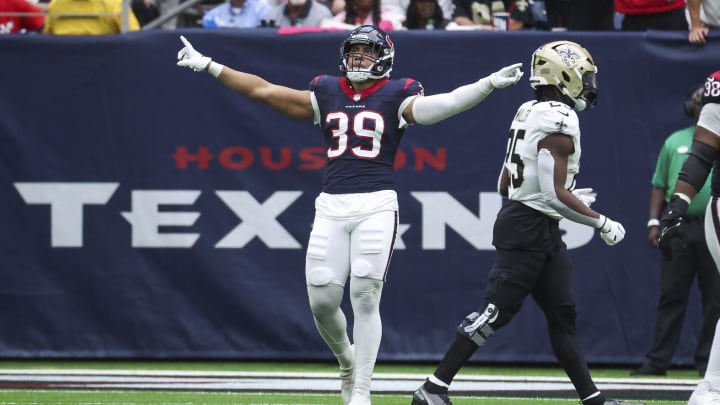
710	119
362	131
712	89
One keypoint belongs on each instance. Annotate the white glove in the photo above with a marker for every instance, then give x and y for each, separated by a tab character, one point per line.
506	76
191	58
611	232
586	195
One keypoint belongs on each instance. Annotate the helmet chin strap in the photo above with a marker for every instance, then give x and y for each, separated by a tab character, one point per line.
580	104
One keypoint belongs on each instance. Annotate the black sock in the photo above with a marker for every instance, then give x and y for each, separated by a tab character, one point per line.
434	388
598	400
455	358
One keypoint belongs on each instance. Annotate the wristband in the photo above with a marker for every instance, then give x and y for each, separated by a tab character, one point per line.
683	197
653	222
215	68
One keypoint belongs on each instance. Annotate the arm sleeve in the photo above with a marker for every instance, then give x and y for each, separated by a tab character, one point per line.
546	172
697	165
431	109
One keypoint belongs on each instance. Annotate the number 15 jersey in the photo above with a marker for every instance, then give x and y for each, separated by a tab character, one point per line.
534	121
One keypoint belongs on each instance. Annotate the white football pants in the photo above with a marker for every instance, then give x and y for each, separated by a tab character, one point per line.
712	229
359	249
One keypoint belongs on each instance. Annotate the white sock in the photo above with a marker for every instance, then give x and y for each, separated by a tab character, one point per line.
597	393
330	320
712	374
438	381
367	331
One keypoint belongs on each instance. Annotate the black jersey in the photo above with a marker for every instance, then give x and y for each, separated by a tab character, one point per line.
362	131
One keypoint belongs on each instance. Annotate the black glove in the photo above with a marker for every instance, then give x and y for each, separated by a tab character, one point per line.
672	227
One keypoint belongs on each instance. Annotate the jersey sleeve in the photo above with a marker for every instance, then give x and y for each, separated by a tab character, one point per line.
315	83
411	88
558	118
710	118
712	89
414	88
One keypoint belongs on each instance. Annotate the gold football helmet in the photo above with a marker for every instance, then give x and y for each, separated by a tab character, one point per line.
569	67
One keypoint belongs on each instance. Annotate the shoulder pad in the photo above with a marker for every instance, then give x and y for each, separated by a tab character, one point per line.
554	117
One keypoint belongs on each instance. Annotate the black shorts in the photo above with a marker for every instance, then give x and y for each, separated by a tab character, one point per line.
531	259
520	227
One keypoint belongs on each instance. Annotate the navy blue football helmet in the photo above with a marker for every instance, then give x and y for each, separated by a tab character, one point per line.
381	46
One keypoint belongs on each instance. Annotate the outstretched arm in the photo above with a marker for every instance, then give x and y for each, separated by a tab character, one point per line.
431	109
291	102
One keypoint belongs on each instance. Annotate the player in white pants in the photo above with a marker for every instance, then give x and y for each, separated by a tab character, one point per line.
363	115
703	157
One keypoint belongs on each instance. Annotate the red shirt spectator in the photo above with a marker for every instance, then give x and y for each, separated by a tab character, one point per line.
643	15
647	6
12	24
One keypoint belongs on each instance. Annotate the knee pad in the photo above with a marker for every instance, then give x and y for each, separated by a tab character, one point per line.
477	327
362	268
319	276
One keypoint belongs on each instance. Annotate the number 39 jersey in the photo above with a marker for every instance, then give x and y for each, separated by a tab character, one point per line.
362	131
532	123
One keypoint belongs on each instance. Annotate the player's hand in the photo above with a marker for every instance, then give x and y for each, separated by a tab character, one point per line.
612	232
671	222
506	76
586	195
191	58
654	235
671	236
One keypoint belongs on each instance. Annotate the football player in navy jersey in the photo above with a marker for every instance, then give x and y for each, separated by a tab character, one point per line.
538	179
703	157
363	115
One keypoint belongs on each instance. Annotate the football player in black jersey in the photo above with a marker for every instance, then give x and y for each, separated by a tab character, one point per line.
363	115
538	178
703	157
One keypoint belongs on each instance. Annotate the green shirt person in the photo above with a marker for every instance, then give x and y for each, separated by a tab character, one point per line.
690	257
670	161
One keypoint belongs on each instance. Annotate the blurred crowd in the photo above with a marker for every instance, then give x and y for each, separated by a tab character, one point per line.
96	17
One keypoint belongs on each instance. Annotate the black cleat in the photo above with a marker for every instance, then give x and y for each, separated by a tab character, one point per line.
423	397
648	371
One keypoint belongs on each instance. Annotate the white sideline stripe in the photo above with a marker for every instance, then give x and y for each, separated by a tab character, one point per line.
313	381
312	375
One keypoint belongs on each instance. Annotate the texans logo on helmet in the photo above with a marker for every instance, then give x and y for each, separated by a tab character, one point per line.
389	42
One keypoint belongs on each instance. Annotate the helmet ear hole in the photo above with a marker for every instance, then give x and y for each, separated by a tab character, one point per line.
565	76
